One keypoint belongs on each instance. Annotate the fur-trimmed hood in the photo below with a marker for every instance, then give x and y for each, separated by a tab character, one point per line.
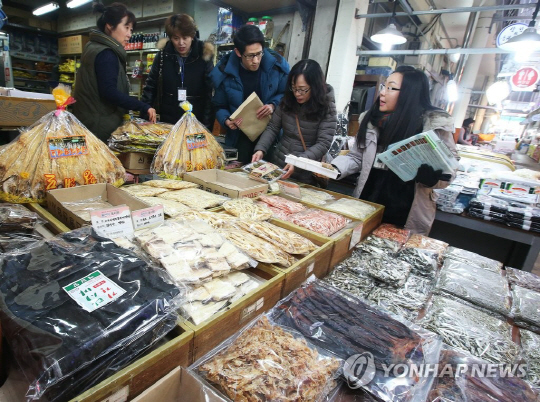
438	120
204	49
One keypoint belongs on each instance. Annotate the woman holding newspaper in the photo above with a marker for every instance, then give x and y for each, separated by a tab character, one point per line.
402	110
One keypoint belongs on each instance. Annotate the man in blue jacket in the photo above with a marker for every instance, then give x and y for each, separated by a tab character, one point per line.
249	68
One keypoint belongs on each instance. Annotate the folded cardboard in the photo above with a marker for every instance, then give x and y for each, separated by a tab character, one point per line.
107	192
179	386
382	62
225	183
136	160
20	109
72	44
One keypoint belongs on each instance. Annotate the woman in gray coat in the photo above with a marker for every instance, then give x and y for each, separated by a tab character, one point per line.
402	110
307	115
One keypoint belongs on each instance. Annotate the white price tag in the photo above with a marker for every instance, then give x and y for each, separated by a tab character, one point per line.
114	222
248	311
310	269
356	235
93	291
182	94
118	396
291	189
148	217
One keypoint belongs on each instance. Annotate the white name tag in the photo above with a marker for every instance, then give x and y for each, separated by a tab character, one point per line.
182	94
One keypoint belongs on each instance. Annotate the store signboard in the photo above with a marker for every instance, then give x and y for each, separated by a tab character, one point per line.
525	79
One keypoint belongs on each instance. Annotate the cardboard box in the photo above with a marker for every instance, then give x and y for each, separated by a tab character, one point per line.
22	112
107	192
179	386
145	372
72	44
382	62
216	181
136	160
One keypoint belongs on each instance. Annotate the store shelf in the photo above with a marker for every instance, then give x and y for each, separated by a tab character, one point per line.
34	71
29	57
30	79
66	72
142	51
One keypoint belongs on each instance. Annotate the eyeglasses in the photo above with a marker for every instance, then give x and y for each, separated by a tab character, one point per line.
258	55
299	90
383	87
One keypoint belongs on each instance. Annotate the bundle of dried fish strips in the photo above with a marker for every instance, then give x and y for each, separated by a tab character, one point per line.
526	308
195	198
530	344
189	147
138	135
288	241
354	208
139	190
426	243
55	152
423	262
284	204
170	207
524	279
476	285
347	326
464	327
83	208
471	258
246	208
267	363
392	232
170	184
215	219
317	220
315	197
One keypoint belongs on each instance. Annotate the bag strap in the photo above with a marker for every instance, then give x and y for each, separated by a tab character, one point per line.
300	132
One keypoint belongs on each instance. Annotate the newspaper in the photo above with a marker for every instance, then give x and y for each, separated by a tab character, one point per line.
405	157
251	126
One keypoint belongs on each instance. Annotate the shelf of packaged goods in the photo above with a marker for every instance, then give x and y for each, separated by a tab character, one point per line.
30	79
29	57
34	71
142	51
65	82
66	72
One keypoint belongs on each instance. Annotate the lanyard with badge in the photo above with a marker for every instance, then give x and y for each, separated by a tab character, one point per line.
182	91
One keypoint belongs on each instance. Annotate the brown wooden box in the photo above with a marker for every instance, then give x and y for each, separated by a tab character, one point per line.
222	325
141	374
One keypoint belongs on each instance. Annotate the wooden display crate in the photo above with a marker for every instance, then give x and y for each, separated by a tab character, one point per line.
53	224
315	263
222	325
141	374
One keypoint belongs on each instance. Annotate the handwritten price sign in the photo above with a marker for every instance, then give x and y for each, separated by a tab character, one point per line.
113	222
148	217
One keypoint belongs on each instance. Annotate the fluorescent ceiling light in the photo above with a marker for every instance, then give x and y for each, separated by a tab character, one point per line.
389	35
47	8
76	3
452	91
527	41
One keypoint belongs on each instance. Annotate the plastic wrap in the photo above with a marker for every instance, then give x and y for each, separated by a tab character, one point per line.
489	204
422	262
170	184
355	282
276	212
457	379
83	208
382	265
530	344
348	327
288	241
191	251
56	151
381	243
217	295
140	190
491	216
392	232
284	204
419	285
346	394
265	362
317	220
476	285
523	225
170	207
526	213
355	208
263	171
462	326
189	147
195	198
471	258
426	243
315	197
17	218
402	302
61	346
522	278
138	135
246	208
214	219
526	308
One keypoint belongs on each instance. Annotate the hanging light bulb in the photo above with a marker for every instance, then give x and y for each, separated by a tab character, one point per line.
523	56
452	91
497	92
390	35
528	40
386	47
454	57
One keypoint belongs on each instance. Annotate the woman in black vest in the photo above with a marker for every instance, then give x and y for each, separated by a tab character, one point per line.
101	85
180	72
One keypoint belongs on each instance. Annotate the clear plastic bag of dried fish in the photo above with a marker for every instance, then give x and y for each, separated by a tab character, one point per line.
246	208
355	282
467	328
380	242
476	285
347	326
353	208
522	278
138	135
423	262
530	344
426	243
382	265
526	308
392	232
267	362
316	197
473	259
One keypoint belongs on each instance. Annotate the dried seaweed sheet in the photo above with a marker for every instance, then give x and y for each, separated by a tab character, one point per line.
526	308
423	262
476	285
522	278
473	259
530	344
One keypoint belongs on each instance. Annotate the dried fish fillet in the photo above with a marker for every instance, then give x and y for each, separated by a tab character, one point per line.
245	208
170	184
284	204
170	207
317	220
138	190
355	208
195	198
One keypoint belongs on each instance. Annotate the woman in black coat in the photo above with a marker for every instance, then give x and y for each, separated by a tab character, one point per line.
180	72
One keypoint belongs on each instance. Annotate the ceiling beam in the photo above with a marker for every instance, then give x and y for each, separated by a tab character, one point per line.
394	52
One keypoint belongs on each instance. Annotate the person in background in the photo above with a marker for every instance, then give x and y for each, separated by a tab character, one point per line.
465	132
101	85
249	68
309	106
180	72
402	110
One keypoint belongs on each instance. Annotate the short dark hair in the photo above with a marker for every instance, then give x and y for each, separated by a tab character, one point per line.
467	121
317	106
112	15
182	23
247	35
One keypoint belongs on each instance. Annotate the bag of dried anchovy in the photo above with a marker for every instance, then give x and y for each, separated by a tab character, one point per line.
402	302
526	308
426	243
523	278
467	328
352	329
354	282
419	284
473	259
423	262
462	377
530	345
388	270
476	285
380	242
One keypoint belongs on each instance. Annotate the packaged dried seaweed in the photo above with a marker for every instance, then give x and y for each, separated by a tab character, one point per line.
426	243
476	285
523	278
195	198
265	362
317	220
392	232
467	328
348	327
246	208
354	208
462	377
475	259
284	204
423	262
526	308
488	204
355	282
530	344
189	147
56	151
